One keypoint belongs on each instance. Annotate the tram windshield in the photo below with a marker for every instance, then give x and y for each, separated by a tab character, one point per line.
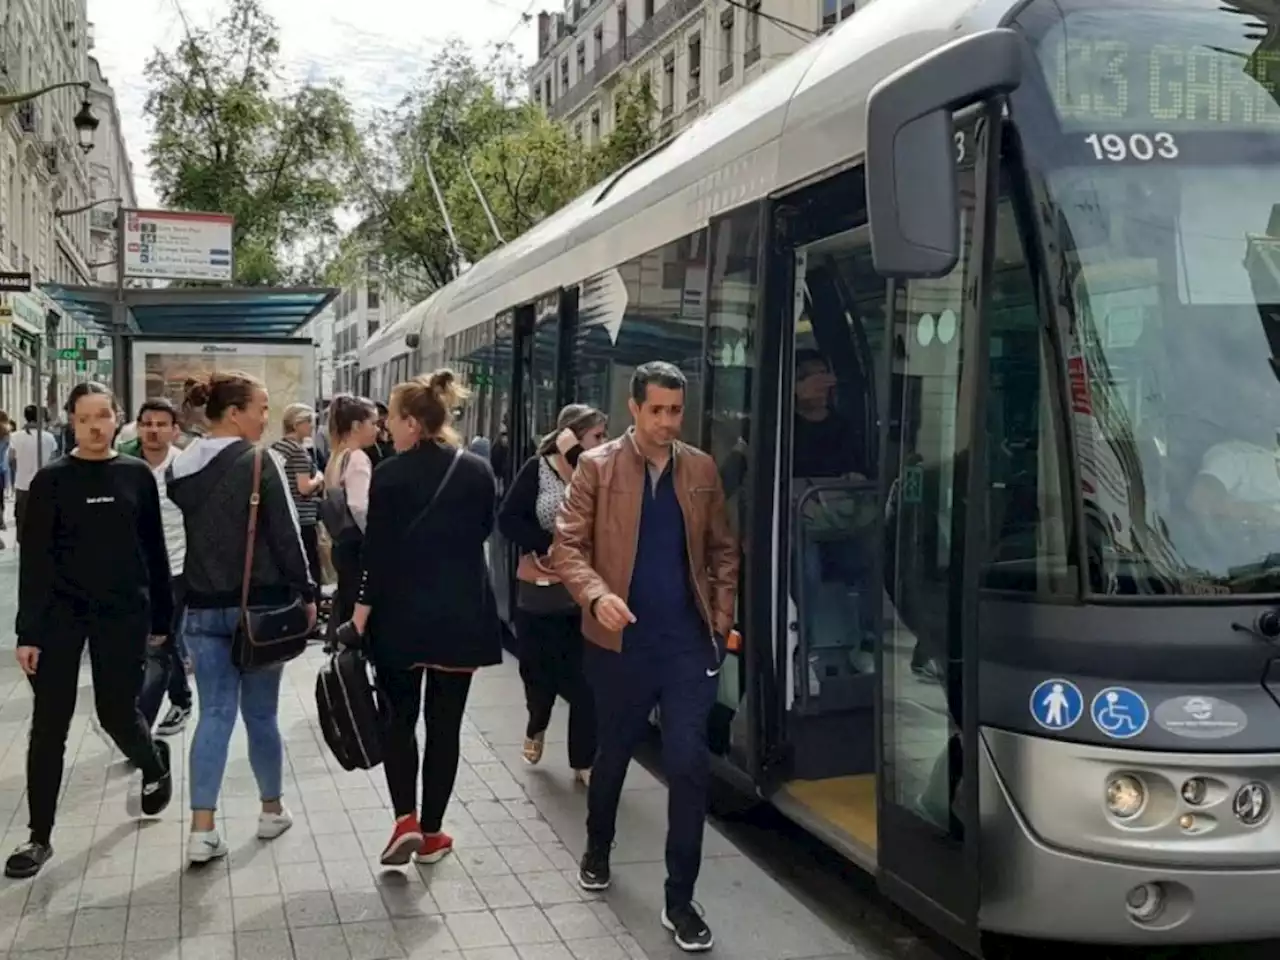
1164	168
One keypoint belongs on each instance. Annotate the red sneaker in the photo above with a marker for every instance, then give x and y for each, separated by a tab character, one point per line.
434	848
405	840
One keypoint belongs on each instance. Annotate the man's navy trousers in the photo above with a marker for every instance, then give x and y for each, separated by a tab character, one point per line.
672	674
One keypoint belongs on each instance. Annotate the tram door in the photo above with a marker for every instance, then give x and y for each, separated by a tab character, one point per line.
927	825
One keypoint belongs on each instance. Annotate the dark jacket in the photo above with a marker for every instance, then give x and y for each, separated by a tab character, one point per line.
211	481
425	576
518	515
598	528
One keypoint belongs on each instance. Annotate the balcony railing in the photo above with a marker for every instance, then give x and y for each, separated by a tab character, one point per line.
751	56
649	32
577	94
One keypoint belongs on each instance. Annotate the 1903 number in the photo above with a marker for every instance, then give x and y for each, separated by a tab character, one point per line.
1137	146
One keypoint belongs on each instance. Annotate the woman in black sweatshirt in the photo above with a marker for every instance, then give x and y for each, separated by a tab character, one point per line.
212	481
93	567
548	622
425	602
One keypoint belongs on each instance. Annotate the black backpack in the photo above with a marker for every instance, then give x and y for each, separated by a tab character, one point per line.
350	709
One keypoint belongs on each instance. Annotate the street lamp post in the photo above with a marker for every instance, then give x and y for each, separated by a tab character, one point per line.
85	122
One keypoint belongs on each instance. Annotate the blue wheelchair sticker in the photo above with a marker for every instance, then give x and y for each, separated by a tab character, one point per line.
1119	713
1057	704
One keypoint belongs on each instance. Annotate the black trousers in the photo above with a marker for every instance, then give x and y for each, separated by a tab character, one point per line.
19	512
671	674
550	666
442	699
346	563
117	649
311	546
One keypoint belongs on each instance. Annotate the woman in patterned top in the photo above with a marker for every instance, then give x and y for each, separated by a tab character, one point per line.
548	622
305	483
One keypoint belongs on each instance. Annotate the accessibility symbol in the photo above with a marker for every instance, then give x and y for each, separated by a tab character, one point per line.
1057	704
1119	713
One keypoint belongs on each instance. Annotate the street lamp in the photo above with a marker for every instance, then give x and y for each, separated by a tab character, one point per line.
84	121
88	206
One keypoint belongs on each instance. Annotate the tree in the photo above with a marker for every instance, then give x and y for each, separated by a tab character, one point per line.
471	126
228	138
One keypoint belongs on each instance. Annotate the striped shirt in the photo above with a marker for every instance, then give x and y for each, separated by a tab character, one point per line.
298	463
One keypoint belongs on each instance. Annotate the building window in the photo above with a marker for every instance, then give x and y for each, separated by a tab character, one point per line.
648	10
595	125
726	45
375	299
577	131
597	37
546	92
622	26
751	33
695	67
564	74
830	13
582	60
847	9
668	84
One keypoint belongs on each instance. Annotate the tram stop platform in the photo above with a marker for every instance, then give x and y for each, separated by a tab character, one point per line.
121	890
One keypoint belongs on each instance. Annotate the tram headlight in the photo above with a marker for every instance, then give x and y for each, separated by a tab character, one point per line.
1126	796
1194	791
1252	803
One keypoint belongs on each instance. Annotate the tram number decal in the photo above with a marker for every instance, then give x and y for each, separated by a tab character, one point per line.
1142	147
961	148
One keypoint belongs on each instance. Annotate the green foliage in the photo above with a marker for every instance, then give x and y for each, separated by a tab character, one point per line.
471	121
227	140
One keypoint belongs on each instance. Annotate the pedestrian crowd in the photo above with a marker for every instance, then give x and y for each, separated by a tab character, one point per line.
181	545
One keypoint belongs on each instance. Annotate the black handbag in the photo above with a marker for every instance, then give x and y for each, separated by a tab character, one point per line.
265	638
335	514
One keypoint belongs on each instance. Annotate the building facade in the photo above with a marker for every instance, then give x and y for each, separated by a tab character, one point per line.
361	310
43	172
691	53
320	331
111	181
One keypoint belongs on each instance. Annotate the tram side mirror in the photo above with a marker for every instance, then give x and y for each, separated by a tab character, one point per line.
912	194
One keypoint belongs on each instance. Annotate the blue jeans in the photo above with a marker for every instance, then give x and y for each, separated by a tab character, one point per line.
166	667
222	688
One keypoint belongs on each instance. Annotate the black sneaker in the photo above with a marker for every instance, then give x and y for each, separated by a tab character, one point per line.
593	873
155	794
692	935
27	860
174	721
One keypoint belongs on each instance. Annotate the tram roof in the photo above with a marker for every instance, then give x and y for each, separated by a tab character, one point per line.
804	117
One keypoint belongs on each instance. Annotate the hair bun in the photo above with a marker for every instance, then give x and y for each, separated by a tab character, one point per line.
197	392
441	381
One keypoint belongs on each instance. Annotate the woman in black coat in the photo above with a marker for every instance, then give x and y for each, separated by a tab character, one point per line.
548	622
426	604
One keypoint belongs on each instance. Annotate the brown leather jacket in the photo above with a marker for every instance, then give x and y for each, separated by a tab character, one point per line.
598	527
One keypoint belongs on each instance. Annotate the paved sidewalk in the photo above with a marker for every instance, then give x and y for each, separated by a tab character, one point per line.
118	890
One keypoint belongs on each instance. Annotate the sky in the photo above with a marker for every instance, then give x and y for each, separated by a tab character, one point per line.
375	47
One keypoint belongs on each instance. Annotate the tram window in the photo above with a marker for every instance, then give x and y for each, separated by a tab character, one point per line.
1026	507
648	308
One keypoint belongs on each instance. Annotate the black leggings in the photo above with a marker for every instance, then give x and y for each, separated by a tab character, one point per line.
445	703
117	649
346	563
551	666
311	547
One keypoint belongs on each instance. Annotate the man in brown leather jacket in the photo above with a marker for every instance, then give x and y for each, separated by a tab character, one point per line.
643	544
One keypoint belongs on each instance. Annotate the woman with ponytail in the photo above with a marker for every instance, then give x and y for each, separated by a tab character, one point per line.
425	609
352	427
548	621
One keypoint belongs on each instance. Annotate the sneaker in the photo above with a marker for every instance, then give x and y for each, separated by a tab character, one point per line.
27	860
174	722
271	825
154	795
206	845
533	747
593	872
434	848
405	840
582	776
691	933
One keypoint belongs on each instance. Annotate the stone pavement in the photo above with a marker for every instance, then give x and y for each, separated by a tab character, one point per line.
120	890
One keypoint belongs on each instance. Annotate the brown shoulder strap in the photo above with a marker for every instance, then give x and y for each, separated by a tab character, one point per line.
255	496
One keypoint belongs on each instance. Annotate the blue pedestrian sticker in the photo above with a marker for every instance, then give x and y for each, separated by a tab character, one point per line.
1119	713
1057	704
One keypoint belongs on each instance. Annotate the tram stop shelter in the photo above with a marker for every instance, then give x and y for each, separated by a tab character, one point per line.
214	315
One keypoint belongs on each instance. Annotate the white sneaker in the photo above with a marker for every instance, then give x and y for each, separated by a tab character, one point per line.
205	846
271	825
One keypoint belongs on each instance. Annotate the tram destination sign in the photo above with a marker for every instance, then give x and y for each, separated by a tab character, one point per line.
1125	70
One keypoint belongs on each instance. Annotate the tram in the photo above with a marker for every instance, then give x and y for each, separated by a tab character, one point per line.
979	305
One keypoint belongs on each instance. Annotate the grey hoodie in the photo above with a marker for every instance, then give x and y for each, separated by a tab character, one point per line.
211	483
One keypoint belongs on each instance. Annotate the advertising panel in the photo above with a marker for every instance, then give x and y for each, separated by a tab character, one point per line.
177	245
161	368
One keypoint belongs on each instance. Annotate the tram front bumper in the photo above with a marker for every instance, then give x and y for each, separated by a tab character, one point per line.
1033	886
